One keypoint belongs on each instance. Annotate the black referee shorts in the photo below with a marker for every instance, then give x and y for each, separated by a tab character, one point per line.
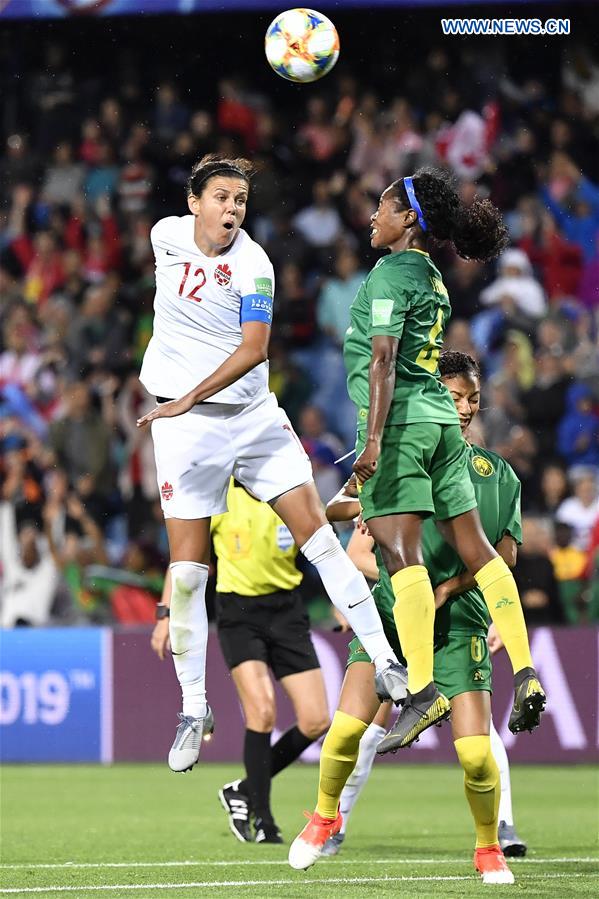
273	629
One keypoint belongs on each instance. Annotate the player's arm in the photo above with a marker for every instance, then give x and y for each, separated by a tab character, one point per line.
345	505
381	380
159	640
389	299
252	350
359	549
507	549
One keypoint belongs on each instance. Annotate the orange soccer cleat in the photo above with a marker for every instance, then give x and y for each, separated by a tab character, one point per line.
492	866
307	846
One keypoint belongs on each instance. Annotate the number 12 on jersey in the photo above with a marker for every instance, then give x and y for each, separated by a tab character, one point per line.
199	273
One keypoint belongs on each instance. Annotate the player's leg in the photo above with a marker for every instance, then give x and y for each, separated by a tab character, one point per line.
243	624
193	465
512	845
471	715
272	464
358	704
189	542
394	502
356	782
499	589
256	693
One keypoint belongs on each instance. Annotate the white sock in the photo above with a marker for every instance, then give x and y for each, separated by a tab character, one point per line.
500	756
357	779
188	630
348	591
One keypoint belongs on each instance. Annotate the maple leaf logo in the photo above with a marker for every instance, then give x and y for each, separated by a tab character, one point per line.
222	274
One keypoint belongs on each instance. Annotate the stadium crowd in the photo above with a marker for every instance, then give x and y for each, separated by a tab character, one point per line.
87	173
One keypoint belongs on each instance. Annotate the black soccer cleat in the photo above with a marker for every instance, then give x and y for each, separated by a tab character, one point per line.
419	712
267	832
512	845
529	701
237	806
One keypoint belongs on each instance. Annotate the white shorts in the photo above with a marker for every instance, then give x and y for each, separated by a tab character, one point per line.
197	453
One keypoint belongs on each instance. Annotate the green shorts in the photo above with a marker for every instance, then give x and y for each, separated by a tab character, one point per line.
423	467
461	663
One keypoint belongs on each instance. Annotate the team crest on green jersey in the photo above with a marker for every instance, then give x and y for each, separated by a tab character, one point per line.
482	466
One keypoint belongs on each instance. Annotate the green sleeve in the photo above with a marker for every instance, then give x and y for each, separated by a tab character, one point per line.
510	521
389	301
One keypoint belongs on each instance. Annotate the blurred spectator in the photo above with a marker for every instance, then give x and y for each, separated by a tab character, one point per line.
581	510
553	490
515	299
578	432
296	314
338	294
64	179
29	575
574	203
170	115
81	441
319	224
312	426
568	561
535	576
545	403
559	262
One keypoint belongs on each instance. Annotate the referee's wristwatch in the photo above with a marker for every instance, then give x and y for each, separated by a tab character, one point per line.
162	611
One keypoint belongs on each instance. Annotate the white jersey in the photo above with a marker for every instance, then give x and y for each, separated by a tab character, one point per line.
198	311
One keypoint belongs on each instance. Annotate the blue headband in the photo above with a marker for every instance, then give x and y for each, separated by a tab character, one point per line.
415	205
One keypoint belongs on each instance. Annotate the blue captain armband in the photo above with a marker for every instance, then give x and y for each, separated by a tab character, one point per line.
255	307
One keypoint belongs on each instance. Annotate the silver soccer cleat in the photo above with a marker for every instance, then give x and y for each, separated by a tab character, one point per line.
392	683
185	751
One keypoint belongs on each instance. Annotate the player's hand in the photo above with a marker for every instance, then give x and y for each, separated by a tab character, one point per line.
368	460
494	641
168	410
441	595
160	640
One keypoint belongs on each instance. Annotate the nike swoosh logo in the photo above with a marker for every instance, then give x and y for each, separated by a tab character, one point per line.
350	606
169	253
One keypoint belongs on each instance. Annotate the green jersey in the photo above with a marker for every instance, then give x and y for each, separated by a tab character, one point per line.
497	491
404	297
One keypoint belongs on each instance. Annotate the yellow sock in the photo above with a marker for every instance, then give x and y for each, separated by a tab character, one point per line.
481	783
498	586
414	614
337	760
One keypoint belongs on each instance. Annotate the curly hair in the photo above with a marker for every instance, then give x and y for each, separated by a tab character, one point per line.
452	364
476	231
215	164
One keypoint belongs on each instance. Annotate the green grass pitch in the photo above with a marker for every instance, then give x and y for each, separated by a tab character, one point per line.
141	831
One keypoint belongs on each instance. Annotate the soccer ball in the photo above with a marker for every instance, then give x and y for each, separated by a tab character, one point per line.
301	45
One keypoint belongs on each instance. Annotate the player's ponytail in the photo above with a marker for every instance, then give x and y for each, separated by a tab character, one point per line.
477	231
215	164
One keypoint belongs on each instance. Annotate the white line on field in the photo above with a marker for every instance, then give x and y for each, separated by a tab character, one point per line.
298	881
188	863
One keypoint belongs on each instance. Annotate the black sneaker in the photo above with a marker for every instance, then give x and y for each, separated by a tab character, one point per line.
512	845
237	806
529	701
267	832
419	712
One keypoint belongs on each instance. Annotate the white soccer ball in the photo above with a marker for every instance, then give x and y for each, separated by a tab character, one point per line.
301	45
